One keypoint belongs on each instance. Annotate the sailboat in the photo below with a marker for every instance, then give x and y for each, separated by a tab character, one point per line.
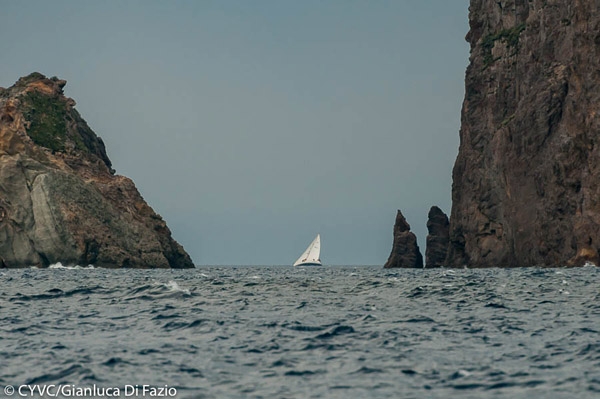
310	257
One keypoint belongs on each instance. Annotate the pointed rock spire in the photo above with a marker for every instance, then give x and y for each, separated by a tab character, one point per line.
438	228
405	251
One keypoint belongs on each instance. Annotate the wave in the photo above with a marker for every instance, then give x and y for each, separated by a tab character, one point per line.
589	264
57	292
59	265
173	286
156	290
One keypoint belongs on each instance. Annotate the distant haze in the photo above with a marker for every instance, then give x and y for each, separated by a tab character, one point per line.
251	126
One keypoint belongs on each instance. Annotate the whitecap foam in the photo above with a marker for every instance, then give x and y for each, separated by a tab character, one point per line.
173	286
589	264
59	265
463	373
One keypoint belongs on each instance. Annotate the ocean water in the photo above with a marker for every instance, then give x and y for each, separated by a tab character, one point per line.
283	332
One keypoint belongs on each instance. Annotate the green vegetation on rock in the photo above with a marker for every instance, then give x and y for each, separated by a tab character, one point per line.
47	120
509	36
47	117
507	120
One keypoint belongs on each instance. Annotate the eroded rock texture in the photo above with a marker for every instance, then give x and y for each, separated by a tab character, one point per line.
60	200
526	183
405	251
438	228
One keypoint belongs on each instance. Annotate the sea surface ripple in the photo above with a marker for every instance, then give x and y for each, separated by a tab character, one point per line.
328	332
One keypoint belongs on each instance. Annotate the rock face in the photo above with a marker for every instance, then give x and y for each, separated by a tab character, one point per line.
438	237
526	183
60	200
405	251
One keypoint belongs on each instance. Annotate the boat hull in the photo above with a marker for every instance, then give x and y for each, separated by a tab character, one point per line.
308	264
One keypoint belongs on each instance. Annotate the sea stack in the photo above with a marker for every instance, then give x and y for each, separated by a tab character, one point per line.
526	183
60	200
405	251
438	228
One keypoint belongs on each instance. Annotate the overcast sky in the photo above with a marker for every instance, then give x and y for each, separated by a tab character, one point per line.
251	126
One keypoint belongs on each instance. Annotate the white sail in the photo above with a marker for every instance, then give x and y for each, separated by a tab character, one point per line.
312	254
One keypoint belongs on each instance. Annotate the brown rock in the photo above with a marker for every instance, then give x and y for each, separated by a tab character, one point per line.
526	183
405	251
60	200
438	228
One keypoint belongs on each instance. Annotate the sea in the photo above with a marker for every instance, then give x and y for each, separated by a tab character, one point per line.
306	332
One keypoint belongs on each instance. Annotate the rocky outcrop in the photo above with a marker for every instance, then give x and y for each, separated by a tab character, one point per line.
526	183
405	251
438	237
60	200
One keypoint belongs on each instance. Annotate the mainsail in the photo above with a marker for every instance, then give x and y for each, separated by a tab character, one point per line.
312	254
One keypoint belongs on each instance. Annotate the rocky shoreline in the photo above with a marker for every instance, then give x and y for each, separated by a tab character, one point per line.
526	188
60	199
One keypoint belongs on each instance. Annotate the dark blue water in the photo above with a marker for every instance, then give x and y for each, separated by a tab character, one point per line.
282	332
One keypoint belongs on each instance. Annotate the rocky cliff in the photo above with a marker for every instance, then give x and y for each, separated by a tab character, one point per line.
60	200
405	251
526	183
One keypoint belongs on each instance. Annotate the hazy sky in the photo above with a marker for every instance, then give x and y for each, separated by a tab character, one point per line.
251	126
